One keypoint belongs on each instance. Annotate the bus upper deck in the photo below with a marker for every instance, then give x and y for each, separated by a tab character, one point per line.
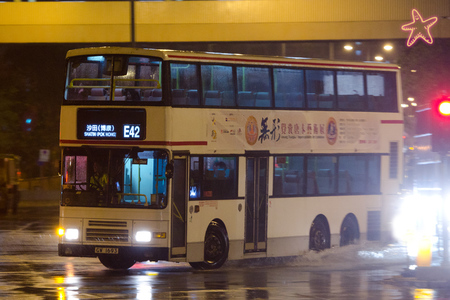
135	77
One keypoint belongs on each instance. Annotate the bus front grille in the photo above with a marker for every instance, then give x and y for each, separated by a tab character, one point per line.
104	223
107	235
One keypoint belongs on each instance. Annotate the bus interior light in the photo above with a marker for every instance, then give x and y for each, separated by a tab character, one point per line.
96	58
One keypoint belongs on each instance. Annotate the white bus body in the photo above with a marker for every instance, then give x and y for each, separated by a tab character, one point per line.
199	181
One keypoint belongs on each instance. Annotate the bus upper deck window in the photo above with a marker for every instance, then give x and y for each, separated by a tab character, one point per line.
135	78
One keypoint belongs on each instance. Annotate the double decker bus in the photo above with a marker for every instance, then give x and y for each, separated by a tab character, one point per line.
203	157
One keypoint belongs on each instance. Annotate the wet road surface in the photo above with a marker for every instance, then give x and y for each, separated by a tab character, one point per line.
31	269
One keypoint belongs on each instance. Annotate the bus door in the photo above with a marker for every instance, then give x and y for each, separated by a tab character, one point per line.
178	219
256	199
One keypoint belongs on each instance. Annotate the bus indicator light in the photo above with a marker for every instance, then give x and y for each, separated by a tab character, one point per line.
60	231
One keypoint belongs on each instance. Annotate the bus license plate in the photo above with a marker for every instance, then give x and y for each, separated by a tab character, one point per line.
102	250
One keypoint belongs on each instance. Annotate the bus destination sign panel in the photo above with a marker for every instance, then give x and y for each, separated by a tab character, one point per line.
111	124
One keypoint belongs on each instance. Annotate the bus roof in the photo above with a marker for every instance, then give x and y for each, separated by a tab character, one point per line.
231	58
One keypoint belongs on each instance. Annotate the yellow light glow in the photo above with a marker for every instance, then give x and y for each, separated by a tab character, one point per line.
378	58
388	47
410	99
423	294
405	105
414	104
60	231
59	280
159	235
424	255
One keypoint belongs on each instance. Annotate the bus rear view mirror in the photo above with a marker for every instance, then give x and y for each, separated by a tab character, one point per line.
169	170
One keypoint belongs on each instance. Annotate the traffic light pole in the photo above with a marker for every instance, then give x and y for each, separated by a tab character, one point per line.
444	173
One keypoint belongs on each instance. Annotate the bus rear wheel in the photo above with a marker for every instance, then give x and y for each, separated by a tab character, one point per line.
349	231
116	262
319	236
216	248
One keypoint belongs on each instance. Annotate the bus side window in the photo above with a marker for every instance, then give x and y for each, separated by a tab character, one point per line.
213	178
350	89
321	174
289	88
254	87
320	89
381	91
185	85
217	85
289	177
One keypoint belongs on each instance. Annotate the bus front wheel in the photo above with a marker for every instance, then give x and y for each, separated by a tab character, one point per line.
216	248
319	236
116	262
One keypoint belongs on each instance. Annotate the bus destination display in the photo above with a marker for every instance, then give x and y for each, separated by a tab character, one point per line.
111	124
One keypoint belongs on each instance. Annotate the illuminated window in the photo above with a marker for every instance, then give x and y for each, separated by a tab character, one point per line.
213	178
350	89
320	89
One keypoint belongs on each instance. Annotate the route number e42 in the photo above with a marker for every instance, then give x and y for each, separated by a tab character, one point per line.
131	131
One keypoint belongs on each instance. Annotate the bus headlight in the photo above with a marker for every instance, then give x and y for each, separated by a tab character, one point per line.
72	234
143	236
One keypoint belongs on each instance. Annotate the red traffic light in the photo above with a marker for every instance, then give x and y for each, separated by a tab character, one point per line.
440	124
444	108
441	107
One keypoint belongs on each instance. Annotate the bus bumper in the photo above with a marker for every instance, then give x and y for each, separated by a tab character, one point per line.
138	253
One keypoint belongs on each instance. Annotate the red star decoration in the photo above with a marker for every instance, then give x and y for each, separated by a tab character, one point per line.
419	28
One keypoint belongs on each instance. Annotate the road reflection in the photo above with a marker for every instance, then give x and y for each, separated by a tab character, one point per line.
180	281
32	269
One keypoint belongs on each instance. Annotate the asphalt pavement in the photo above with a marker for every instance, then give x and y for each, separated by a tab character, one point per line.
45	205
